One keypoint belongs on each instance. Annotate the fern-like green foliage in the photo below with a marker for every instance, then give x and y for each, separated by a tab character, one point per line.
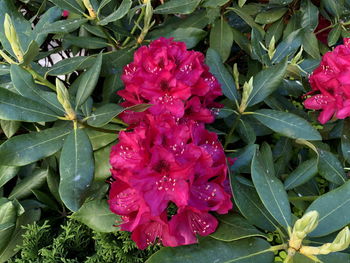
76	243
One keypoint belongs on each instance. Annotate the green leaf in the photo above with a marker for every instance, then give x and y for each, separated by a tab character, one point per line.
251	207
221	38
275	30
69	65
190	35
214	3
330	167
233	227
88	82
71	5
224	77
86	42
9	127
114	61
266	82
288	46
309	18
7	173
24	187
17	108
270	16
63	26
287	124
52	180
210	250
76	169
117	14
177	7
28	148
345	140
100	139
303	173
45	199
270	188
102	165
25	85
310	44
97	215
334	35
335	8
8	215
31	53
333	209
248	19
104	114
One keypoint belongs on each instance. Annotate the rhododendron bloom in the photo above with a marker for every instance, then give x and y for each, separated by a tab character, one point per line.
169	159
331	82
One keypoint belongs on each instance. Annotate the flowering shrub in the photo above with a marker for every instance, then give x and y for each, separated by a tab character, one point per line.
188	130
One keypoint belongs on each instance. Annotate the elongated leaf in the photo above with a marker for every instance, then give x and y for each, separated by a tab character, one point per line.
102	115
330	167
25	85
248	19
31	53
271	190
117	14
31	147
210	250
221	38
220	72
76	169
233	227
288	46
71	5
266	82
8	217
309	19
214	3
17	108
251	207
7	173
270	16
333	209
69	65
100	139
287	124
88	82
9	127
97	215
63	26
302	174
177	7
34	181
102	165
190	35
86	42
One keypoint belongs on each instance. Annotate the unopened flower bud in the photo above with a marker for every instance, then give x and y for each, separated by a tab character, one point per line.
271	51
90	8
302	227
63	98
12	37
247	90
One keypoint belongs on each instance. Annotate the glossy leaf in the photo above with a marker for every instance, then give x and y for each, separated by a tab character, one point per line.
210	250
330	167
287	47
287	124
102	165
8	216
69	65
71	5
17	108
97	215
88	81
270	16
7	173
221	38
177	7
303	173
117	14
9	127
190	35
333	209
309	18
64	26
76	169
27	148
100	139
86	42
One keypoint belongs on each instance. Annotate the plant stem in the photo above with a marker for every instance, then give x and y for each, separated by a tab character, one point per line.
126	41
324	29
42	80
229	135
278	247
303	198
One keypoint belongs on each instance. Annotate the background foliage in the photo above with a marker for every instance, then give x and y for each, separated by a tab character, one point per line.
59	108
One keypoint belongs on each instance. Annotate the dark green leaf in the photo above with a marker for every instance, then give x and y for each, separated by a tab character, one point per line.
220	72
33	181
71	5
266	82
210	250
88	82
233	227
333	209
102	165
221	38
45	199
18	108
7	173
334	35
63	26
177	7
97	215
334	7
270	16
303	173
248	19
214	3
190	35
69	65
345	140
117	14
8	217
76	169
100	139
330	167
287	124
310	44
31	53
104	114
270	188
287	47
27	148
9	127
86	42
309	19
275	30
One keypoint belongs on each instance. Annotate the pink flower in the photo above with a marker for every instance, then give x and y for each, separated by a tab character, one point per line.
65	13
331	82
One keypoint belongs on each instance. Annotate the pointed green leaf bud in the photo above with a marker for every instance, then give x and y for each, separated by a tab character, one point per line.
90	8
63	98
12	37
247	90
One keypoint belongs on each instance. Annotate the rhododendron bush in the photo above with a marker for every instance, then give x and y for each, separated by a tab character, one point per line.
185	130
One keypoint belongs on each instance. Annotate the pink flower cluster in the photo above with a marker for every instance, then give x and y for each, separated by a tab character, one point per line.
331	82
169	172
